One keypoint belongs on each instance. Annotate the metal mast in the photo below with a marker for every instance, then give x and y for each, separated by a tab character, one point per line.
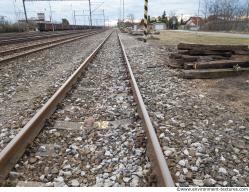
123	11
104	16
90	8
25	12
90	11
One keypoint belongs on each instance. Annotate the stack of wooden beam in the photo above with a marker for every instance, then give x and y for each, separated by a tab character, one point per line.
210	61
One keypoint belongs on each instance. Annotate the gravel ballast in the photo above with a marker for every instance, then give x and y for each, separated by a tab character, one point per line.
26	83
95	137
204	141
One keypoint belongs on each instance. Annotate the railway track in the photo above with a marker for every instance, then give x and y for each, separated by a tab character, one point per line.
27	37
88	133
20	51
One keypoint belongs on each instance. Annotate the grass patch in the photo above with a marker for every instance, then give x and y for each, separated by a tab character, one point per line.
173	38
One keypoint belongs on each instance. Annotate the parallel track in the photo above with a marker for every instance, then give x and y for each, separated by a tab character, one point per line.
27	37
16	148
25	50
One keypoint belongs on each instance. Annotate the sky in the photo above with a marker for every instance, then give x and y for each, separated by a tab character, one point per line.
13	9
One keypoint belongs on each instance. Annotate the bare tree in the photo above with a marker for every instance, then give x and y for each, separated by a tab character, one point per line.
226	14
224	9
131	18
172	13
205	7
247	9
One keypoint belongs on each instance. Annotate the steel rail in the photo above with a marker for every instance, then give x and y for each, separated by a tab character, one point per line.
25	47
34	37
15	40
63	41
30	33
16	148
159	164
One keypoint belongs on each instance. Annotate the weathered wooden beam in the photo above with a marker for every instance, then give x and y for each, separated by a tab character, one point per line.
175	56
241	52
214	57
180	62
213	73
176	64
194	58
195	52
217	64
186	46
189	58
183	52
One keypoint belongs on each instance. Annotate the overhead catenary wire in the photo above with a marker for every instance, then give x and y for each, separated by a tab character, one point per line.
89	3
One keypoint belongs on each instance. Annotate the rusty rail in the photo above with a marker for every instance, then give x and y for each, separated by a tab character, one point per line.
16	148
45	45
23	48
11	39
159	164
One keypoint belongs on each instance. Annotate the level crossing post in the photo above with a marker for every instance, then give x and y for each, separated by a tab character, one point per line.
145	20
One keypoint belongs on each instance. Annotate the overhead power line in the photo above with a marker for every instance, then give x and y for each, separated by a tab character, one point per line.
89	2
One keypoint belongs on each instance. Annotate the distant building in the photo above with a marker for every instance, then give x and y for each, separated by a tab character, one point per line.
41	16
153	19
39	19
194	23
159	26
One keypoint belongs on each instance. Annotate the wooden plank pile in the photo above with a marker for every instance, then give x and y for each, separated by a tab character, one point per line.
210	61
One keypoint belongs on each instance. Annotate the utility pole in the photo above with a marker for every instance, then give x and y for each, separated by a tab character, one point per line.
16	14
198	15
90	11
25	13
50	12
51	19
74	17
90	8
72	11
83	17
108	23
104	16
123	11
88	22
120	10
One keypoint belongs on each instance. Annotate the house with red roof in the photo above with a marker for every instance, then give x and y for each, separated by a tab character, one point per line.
194	23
